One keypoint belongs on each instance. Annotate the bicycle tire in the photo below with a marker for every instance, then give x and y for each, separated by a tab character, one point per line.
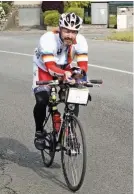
48	163
70	186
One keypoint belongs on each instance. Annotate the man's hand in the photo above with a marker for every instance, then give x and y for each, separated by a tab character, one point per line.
68	77
78	76
78	73
67	74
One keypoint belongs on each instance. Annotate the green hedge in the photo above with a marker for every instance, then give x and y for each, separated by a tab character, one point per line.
77	11
52	18
49	12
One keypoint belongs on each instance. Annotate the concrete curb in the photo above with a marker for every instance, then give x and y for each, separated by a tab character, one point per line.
84	29
84	32
34	31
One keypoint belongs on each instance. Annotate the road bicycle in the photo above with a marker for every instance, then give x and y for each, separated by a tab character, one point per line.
70	139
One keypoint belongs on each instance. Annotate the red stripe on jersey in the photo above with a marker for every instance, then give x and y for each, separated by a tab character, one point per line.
51	66
43	75
69	57
83	65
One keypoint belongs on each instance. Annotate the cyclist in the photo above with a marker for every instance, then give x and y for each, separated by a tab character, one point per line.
53	57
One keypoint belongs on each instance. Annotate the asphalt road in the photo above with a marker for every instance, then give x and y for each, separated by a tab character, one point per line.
107	122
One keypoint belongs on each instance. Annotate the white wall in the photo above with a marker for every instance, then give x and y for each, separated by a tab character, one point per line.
29	16
99	12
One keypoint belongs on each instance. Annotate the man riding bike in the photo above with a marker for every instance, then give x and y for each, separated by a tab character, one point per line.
53	57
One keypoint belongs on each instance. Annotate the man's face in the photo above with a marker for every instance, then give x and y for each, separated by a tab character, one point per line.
68	36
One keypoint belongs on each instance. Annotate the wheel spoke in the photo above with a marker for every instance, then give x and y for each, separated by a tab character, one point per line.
74	170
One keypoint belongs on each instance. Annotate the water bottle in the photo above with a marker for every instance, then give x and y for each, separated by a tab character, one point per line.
57	121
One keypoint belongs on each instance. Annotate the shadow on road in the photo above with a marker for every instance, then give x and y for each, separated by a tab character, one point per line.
12	150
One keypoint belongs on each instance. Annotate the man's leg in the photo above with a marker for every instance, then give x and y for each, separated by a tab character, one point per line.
39	113
42	97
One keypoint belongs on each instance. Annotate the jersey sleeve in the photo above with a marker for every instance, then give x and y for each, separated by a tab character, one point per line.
47	47
81	51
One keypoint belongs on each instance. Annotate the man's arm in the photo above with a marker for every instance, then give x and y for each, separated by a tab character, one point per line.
82	53
56	71
83	65
52	68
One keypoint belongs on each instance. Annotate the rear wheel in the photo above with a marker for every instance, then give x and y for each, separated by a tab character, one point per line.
48	153
73	151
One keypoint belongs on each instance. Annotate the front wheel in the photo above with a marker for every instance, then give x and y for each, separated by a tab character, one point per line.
73	151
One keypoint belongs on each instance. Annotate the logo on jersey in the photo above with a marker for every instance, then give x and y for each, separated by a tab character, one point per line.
59	51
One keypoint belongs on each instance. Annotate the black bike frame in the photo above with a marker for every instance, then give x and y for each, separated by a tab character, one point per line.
67	113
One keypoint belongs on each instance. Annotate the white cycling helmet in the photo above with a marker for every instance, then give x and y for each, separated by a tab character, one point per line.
70	21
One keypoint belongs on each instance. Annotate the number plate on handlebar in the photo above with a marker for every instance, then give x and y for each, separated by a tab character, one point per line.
78	96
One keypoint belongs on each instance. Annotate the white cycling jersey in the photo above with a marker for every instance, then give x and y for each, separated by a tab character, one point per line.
52	49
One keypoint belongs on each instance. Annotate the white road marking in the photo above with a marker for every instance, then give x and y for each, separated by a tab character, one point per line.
111	69
91	65
15	53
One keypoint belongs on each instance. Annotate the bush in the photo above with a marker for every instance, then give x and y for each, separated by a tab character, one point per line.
6	7
49	12
2	13
77	11
52	19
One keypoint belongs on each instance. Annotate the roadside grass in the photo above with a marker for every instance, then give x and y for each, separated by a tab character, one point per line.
121	36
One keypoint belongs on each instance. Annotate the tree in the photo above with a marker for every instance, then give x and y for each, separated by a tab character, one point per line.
53	5
8	2
80	4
